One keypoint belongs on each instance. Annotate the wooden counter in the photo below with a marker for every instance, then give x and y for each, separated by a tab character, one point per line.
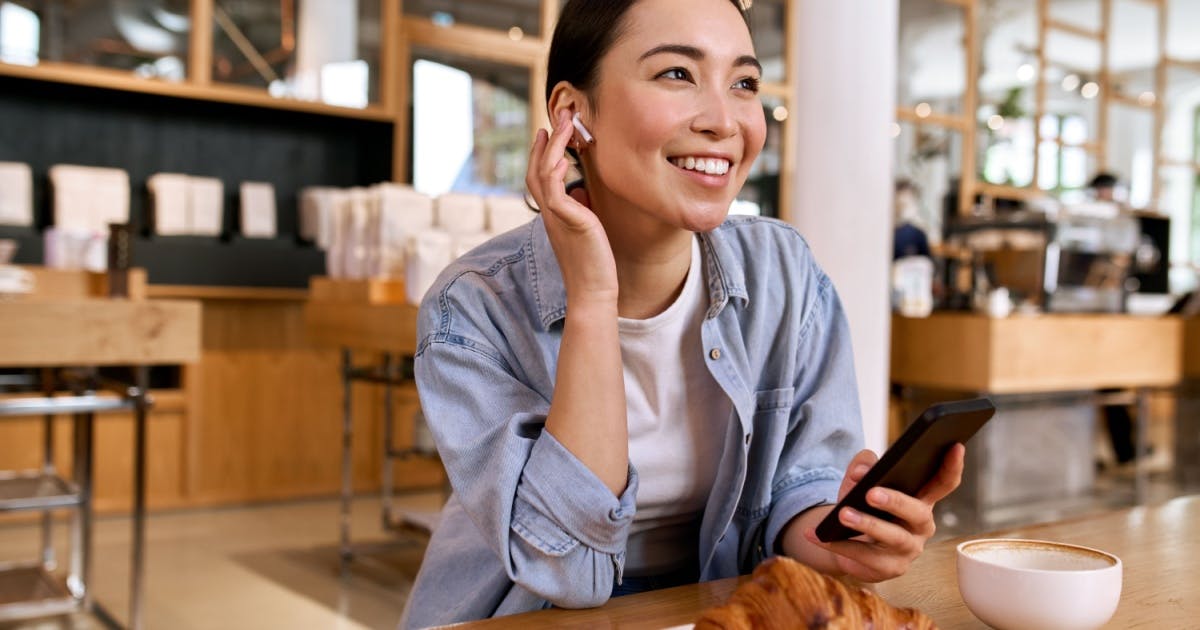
1039	353
255	415
68	332
367	315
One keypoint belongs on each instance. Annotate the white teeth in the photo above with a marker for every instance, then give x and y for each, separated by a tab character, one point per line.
710	166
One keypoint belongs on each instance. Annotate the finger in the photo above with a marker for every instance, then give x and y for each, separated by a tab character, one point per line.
532	181
556	150
947	478
560	204
862	560
885	534
915	514
858	467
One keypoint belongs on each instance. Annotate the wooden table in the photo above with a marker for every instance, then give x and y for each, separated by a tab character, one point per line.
64	324
1159	546
368	316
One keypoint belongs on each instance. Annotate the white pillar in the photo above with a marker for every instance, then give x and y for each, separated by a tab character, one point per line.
842	191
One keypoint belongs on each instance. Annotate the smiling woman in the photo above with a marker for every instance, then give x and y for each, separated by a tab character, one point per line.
635	390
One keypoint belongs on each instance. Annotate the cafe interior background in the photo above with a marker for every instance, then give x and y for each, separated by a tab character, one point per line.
291	174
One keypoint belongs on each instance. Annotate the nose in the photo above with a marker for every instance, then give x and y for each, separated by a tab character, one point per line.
716	115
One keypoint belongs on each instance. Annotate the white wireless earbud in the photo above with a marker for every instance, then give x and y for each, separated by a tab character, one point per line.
587	136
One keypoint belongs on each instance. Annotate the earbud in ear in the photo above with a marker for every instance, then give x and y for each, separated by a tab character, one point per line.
587	136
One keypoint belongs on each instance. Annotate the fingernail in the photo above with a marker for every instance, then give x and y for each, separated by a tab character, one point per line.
861	470
879	497
851	516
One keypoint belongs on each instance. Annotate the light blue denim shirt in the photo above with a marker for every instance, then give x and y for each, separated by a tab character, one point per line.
528	525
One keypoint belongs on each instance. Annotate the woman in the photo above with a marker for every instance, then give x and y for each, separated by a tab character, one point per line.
634	391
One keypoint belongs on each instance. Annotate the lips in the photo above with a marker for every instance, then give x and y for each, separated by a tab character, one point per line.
706	165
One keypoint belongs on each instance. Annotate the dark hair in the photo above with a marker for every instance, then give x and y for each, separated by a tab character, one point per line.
1103	180
586	30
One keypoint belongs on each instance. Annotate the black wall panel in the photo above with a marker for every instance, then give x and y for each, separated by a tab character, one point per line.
44	124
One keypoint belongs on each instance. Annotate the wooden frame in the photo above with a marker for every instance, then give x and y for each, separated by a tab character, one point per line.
964	123
1047	25
1108	96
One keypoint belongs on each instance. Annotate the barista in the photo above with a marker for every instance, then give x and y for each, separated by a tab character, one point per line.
1117	418
909	239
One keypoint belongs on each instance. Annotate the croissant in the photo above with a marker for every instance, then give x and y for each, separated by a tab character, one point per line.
783	593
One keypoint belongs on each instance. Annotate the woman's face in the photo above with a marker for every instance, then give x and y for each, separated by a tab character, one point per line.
678	121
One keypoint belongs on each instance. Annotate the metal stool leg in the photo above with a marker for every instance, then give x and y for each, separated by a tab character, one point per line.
79	578
48	560
138	559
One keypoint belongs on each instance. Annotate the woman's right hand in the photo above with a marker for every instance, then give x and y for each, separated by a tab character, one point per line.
576	234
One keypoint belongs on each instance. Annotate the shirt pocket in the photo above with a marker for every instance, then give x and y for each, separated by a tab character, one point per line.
764	445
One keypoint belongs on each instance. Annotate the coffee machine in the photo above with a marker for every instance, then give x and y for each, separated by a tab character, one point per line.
1085	258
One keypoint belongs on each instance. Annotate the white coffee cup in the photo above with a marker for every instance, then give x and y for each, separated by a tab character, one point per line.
1013	584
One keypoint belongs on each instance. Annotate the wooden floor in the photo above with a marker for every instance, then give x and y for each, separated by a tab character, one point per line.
259	568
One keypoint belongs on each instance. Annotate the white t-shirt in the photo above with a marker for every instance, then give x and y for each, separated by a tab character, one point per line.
677	417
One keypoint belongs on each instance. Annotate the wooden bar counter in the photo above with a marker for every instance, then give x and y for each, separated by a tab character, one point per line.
1037	353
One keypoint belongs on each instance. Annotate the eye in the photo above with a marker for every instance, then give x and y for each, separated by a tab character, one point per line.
749	83
676	74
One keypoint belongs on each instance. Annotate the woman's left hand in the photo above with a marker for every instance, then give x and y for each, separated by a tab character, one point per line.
886	549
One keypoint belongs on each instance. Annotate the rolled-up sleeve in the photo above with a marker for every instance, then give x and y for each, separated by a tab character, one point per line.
825	428
557	529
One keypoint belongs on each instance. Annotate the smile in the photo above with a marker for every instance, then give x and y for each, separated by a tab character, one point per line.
709	166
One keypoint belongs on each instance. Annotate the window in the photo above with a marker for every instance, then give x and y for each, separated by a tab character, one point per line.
1063	165
470	124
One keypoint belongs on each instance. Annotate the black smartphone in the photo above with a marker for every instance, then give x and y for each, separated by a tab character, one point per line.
913	460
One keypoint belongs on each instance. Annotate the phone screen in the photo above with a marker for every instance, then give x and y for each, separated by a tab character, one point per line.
913	460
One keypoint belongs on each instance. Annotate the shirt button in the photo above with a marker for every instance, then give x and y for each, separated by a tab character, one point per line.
748	438
714	354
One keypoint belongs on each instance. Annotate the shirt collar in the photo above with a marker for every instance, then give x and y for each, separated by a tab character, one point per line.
723	273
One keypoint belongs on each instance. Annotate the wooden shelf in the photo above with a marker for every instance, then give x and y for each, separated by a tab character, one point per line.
232	94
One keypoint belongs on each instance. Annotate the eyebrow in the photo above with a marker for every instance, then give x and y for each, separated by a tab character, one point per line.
695	53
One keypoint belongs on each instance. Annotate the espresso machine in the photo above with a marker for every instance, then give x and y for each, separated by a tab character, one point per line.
1079	259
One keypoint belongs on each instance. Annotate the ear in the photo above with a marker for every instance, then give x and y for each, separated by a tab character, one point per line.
568	97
